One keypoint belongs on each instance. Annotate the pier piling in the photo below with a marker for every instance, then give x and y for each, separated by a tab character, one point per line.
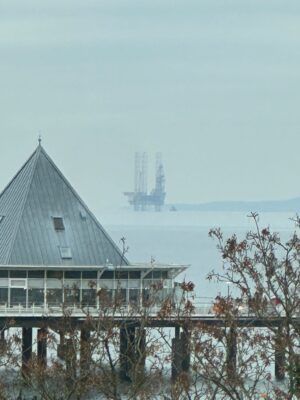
140	349
231	353
180	352
42	347
279	356
127	352
85	350
26	349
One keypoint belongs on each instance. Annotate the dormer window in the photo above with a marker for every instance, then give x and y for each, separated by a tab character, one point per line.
65	252
58	223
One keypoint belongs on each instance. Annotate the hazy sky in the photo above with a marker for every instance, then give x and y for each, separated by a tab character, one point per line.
212	84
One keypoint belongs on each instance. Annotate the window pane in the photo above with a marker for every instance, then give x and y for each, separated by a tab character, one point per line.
88	297
3	295
18	274
107	275
55	274
121	298
36	283
156	274
89	274
134	284
35	274
147	298
72	274
17	296
54	297
89	284
121	274
105	297
18	283
134	274
3	274
54	283
134	295
3	282
107	284
71	284
72	296
58	224
35	297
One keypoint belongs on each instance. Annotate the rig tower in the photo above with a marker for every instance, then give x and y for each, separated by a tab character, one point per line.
140	199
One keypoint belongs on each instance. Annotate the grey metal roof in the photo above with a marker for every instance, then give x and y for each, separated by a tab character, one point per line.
36	194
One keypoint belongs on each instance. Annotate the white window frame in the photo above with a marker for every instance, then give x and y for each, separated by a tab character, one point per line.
19	286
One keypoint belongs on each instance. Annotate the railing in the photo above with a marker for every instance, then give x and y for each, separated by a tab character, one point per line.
202	306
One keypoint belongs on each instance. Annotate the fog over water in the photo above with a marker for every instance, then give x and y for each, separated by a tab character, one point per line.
212	84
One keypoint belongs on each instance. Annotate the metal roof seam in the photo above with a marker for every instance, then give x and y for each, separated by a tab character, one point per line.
123	258
15	232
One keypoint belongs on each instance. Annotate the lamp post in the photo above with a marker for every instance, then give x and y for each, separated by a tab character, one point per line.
228	283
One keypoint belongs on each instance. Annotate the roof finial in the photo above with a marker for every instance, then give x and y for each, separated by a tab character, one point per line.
40	139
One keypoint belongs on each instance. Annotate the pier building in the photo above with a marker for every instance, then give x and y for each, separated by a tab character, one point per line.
56	260
54	252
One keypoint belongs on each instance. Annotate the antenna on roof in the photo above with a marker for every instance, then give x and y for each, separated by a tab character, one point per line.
40	139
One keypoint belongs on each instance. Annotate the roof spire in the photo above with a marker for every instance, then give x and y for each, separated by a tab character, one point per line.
40	139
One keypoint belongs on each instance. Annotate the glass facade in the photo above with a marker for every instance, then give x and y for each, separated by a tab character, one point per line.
36	297
89	288
18	297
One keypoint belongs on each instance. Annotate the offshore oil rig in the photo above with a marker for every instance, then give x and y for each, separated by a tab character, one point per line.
140	199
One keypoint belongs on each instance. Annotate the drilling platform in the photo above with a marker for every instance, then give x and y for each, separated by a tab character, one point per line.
140	199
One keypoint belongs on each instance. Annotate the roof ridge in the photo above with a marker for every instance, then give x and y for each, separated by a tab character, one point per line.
122	256
18	173
36	153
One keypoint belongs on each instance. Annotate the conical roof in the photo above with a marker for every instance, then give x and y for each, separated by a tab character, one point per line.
43	221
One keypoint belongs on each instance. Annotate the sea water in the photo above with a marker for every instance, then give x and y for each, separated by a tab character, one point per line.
181	237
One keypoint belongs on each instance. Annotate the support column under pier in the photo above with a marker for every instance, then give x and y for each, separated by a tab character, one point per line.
176	357
180	353
26	349
127	352
186	355
140	349
2	339
231	353
85	350
42	347
61	346
70	359
279	356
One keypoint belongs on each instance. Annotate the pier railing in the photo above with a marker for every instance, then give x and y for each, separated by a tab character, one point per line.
202	306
